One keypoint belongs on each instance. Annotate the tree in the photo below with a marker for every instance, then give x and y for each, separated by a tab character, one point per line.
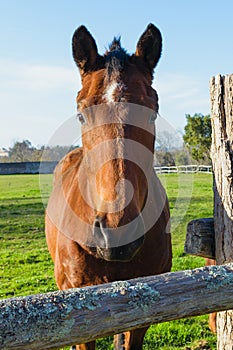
24	152
163	158
168	140
182	157
21	151
55	153
197	136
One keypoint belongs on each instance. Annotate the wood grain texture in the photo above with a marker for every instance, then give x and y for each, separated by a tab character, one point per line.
53	320
200	238
221	91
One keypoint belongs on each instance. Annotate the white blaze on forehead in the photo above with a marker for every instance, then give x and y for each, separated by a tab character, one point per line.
111	90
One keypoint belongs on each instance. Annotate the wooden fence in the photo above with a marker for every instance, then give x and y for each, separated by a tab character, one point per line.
183	169
53	320
57	319
219	231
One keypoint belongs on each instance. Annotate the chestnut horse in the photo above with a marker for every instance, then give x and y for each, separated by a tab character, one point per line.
108	216
213	315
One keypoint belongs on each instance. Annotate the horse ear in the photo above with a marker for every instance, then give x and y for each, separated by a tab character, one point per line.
149	46
84	49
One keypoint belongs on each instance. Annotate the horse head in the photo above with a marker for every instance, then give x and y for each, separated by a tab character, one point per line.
116	108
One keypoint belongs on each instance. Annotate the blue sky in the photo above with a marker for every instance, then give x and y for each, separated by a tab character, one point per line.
39	81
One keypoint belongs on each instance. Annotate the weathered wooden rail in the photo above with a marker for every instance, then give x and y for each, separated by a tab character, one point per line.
200	238
53	320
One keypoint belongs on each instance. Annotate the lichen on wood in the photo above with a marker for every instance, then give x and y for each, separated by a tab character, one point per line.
58	319
214	277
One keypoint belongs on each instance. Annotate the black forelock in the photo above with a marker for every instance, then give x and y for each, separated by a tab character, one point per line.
116	57
115	44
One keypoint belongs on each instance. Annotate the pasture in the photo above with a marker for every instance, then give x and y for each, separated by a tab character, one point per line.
26	266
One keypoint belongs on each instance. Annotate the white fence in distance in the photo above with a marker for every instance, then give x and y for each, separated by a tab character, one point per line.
183	169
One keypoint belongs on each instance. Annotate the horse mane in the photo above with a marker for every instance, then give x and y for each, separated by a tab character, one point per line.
116	58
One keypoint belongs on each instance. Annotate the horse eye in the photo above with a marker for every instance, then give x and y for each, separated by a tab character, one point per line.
81	118
153	117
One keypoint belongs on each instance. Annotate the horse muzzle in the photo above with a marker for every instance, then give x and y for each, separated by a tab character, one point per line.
121	243
123	253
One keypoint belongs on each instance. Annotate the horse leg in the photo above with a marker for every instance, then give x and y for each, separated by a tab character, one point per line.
212	322
86	346
131	340
213	315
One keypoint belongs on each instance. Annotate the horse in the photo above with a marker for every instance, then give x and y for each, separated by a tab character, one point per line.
108	216
213	315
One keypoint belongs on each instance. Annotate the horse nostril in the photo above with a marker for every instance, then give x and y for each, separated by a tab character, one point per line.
98	232
97	223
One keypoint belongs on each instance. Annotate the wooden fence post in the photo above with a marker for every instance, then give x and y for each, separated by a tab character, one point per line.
221	91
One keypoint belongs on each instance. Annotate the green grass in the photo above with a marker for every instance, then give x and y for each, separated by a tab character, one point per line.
26	267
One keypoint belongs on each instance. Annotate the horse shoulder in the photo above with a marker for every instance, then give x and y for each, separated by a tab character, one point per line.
70	161
159	192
